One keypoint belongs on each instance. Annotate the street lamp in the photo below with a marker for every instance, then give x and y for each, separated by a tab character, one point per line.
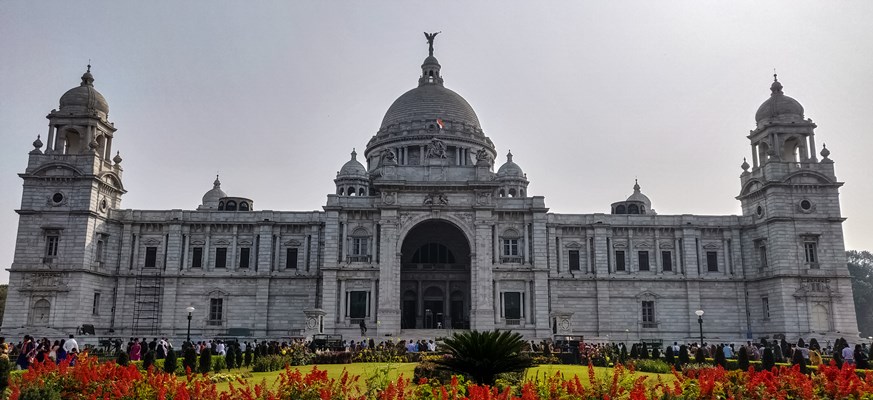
700	321
190	310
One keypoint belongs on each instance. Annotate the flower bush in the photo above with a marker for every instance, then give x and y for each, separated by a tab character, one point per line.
89	379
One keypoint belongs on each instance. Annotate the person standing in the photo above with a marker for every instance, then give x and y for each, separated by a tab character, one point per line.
71	345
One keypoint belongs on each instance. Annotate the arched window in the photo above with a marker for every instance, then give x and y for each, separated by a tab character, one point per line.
764	152
433	253
501	193
511	192
230	206
359	245
521	193
340	191
791	150
621	209
633	209
433	292
40	312
72	142
220	206
243	206
361	192
350	191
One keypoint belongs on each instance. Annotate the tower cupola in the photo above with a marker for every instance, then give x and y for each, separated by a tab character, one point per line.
513	181
352	179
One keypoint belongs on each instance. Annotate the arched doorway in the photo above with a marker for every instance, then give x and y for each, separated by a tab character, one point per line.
435	277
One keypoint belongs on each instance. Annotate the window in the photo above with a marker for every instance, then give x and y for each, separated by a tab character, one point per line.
359	246
291	258
667	260
712	261
433	253
40	312
197	258
51	246
357	303
98	256
216	311
510	248
512	305
230	206
243	206
762	257
221	257
95	306
633	209
643	257
649	314
619	260
244	257
810	249
151	257
765	306
574	260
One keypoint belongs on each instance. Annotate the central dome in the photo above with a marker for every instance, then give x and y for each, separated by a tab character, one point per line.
429	102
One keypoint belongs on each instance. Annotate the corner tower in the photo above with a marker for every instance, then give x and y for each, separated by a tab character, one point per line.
64	238
791	201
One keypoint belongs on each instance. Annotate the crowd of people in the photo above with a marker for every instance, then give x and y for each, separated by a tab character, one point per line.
30	350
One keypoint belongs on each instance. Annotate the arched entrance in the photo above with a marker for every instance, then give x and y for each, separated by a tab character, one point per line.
435	277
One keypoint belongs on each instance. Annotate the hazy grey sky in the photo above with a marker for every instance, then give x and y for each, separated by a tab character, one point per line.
588	95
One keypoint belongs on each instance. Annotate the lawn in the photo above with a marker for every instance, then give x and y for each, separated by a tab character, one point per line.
406	369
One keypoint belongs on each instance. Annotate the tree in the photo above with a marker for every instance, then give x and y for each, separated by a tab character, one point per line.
170	363
767	360
743	359
247	358
189	357
719	358
860	264
230	358
123	359
683	355
669	357
148	360
483	355
205	360
238	355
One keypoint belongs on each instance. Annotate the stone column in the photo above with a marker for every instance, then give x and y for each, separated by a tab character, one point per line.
50	140
389	275
481	276
341	318
233	245
812	154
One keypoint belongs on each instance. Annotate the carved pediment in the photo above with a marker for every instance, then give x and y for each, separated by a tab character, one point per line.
620	245
292	243
197	242
245	242
151	242
573	245
711	246
643	245
222	242
666	246
647	295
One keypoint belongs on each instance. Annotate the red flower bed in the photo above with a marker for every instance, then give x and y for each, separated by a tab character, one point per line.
89	380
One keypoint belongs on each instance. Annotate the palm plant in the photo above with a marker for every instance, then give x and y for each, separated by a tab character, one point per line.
484	355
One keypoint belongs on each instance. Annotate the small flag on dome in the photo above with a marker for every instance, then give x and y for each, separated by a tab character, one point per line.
440	123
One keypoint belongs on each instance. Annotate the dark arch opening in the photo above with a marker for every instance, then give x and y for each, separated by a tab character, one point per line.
633	209
435	248
230	206
621	209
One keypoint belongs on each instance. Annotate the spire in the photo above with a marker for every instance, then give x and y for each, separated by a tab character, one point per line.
430	68
354	154
87	78
509	156
636	186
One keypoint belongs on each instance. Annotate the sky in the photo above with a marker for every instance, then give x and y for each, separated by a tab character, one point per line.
587	95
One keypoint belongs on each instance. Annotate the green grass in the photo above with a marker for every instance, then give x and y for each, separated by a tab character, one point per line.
406	369
568	371
333	371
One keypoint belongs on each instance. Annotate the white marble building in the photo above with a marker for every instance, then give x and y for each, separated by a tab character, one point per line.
424	234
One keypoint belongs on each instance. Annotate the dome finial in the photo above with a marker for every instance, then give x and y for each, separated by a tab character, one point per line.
87	78
776	87
354	154
430	37
636	185
825	152
509	156
117	159
216	183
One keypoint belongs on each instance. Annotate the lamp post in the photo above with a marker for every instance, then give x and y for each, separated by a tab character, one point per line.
700	321
190	310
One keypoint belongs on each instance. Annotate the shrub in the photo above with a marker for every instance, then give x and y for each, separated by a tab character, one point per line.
237	352
218	363
432	372
189	358
669	357
275	362
230	358
652	365
247	358
170	363
767	360
333	357
148	360
123	359
483	355
205	360
5	367
743	359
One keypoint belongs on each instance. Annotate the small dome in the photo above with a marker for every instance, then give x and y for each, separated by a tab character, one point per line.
84	97
210	199
353	167
779	105
430	60
510	168
638	196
